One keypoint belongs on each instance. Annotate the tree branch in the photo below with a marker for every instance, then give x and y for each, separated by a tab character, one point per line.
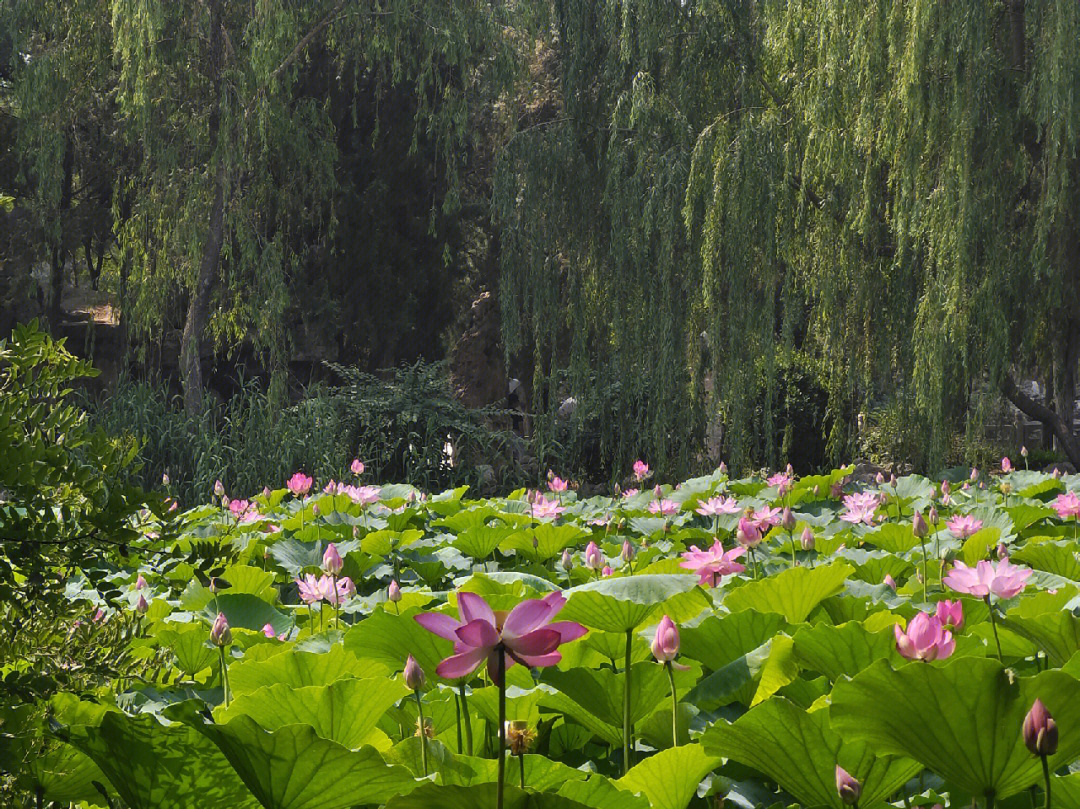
1040	412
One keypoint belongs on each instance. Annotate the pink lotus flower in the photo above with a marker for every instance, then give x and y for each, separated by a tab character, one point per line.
1067	505
1040	731
310	589
268	630
722	468
1006	465
716	506
950	614
299	484
765	518
339	591
607	571
357	467
663	507
594	560
556	483
331	560
542	508
140	583
665	644
1005	580
641	469
781	481
963	525
890	582
630	493
925	639
847	786
239	507
524	635
748	533
713	564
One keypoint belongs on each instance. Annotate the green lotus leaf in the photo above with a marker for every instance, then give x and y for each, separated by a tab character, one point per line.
793	593
962	720
389	639
669	780
800	751
299	669
624	603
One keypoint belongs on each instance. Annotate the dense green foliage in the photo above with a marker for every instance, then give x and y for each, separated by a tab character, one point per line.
673	202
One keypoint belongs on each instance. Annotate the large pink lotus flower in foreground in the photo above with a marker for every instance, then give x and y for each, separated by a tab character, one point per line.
1067	505
325	588
925	639
525	634
713	564
716	506
1004	579
299	484
963	525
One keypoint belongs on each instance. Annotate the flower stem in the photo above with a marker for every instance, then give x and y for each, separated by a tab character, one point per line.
923	543
993	625
1046	778
626	706
466	717
502	727
457	716
224	674
791	539
674	705
521	765
423	731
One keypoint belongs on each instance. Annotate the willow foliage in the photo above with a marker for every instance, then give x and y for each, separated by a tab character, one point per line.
885	185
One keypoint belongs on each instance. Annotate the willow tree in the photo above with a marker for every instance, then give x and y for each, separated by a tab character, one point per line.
886	185
238	157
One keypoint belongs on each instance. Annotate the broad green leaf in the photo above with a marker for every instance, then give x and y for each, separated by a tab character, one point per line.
299	669
541	773
153	766
962	721
800	751
191	645
625	603
733	682
780	669
544	541
67	775
718	640
600	691
893	537
1061	559
247	611
1057	634
480	541
843	650
480	796
670	778
389	639
294	768
793	593
599	792
346	711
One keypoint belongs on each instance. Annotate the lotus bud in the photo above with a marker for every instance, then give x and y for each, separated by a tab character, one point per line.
219	488
567	560
1057	473
657	491
393	592
665	645
918	525
1040	731
140	583
268	630
788	520
225	502
607	571
1006	489
594	560
628	553
331	560
807	539
974	474
220	634
1023	452
1002	551
414	675
848	788
933	515
141	607
1006	464
945	488
722	469
892	480
164	478
890	582
879	478
315	509
748	533
357	467
950	613
817	490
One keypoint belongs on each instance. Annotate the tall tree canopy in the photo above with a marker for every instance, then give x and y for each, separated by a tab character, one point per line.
884	185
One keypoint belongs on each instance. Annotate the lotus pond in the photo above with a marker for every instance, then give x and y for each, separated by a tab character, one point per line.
769	641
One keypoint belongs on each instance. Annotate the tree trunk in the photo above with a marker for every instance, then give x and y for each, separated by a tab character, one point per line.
1018	34
210	261
1052	420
